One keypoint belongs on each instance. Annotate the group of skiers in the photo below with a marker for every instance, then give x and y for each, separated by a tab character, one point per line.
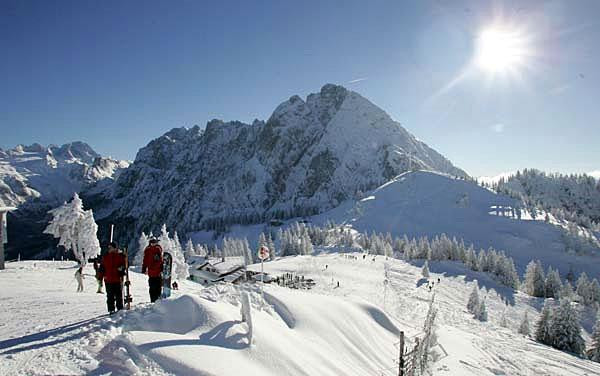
111	270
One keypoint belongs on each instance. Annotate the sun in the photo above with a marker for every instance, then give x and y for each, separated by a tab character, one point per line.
500	50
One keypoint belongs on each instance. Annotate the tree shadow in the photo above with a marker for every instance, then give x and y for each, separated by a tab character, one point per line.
47	334
458	269
422	281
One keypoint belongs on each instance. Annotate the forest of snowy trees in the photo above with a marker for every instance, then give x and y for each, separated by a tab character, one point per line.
549	285
574	198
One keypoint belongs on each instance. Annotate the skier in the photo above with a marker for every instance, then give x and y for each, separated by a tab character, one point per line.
79	278
98	275
112	270
153	261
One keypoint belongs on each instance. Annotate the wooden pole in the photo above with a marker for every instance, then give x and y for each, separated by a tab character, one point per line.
1	240
401	356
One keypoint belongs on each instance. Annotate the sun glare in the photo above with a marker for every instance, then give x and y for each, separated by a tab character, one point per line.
500	50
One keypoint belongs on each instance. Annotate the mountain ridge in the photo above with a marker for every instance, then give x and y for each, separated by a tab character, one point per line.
308	157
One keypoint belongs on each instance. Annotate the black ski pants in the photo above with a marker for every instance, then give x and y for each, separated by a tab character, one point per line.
114	296
155	287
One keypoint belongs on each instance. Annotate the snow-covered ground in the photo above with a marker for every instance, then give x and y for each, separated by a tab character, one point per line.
46	328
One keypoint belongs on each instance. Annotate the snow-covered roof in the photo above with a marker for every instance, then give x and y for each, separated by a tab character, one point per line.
227	265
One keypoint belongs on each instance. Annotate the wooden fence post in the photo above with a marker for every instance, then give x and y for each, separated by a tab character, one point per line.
401	359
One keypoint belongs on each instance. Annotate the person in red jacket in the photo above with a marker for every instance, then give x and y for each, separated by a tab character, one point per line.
112	270
153	261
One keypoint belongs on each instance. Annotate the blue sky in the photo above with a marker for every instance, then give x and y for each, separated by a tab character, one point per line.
117	74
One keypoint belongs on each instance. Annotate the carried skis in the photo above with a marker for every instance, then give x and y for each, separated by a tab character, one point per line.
128	298
166	274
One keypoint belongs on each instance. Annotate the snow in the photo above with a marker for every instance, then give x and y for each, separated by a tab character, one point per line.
323	331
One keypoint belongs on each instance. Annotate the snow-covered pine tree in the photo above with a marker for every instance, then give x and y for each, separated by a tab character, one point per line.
535	284
503	319
543	327
425	270
164	239
595	290
524	326
262	241
189	250
583	288
481	311
247	252
139	254
566	292
201	250
553	283
594	351
570	275
181	270
473	303
271	246
566	330
76	229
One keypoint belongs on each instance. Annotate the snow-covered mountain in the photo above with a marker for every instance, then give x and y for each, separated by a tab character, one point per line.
37	178
51	174
308	157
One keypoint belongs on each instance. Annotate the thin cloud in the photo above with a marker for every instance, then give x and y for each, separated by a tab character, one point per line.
498	127
559	89
357	80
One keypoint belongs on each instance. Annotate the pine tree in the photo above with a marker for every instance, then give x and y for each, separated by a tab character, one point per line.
76	229
566	330
535	284
425	270
139	254
473	303
503	320
247	252
595	291
189	250
567	291
553	284
262	241
172	246
583	288
594	352
271	246
524	326
543	329
481	311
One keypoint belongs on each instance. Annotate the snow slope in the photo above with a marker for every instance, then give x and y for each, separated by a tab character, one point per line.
424	203
48	329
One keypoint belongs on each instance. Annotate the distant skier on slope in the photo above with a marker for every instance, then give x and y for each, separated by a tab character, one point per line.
112	269
79	278
152	264
98	275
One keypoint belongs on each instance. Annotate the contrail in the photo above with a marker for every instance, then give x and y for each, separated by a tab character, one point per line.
357	80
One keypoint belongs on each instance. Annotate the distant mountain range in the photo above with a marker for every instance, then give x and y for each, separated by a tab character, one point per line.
37	178
51	174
